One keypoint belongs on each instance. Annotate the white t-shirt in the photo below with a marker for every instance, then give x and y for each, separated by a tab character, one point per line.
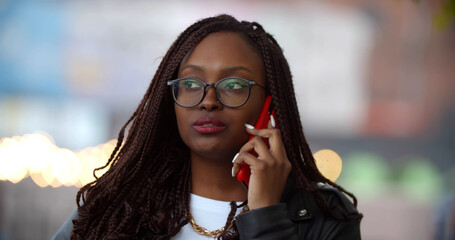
208	213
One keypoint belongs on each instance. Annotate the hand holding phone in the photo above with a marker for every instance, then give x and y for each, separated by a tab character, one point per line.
269	168
244	173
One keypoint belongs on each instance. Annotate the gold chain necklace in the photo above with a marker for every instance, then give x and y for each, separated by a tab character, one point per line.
215	233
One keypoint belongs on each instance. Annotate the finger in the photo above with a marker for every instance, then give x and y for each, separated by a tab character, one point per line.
258	132
272	134
265	133
257	144
272	123
243	157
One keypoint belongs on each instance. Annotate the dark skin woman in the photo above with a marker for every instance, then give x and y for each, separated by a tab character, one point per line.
190	143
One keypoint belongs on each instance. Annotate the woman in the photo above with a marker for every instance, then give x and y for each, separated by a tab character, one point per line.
174	175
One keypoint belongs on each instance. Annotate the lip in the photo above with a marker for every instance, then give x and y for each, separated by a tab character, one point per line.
208	125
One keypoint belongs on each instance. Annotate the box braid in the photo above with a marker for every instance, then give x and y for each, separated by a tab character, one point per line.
145	192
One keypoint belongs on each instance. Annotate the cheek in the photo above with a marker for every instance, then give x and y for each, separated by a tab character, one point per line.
180	115
254	109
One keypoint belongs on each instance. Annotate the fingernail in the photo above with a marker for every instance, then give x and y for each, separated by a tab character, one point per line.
232	172
272	121
235	157
249	126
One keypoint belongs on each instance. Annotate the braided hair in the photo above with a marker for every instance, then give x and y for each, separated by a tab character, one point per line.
148	184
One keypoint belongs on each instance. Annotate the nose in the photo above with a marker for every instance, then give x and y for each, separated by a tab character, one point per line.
210	101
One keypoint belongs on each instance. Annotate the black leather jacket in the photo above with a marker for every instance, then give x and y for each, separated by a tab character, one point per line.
299	217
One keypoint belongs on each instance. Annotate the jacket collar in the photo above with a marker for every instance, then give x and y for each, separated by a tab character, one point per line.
287	189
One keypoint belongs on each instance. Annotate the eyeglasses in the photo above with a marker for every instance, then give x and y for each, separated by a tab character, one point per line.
231	91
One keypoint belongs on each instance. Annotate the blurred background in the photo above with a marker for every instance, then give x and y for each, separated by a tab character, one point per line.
374	82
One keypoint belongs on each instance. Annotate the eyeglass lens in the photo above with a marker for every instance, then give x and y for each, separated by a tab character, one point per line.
230	91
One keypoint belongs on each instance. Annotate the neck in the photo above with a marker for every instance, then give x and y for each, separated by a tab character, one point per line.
211	178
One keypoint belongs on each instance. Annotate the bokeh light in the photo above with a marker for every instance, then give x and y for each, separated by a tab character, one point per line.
39	147
12	167
366	174
420	180
37	156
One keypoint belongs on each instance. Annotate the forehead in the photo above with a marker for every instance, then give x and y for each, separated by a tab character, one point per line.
224	49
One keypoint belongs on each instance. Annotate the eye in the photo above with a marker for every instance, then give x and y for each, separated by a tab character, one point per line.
234	84
190	83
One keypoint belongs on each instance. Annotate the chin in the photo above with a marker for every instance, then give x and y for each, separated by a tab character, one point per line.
218	151
225	143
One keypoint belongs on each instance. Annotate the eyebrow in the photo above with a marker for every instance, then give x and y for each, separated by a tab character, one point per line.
226	70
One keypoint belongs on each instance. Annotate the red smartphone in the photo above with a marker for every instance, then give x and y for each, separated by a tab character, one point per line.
267	109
